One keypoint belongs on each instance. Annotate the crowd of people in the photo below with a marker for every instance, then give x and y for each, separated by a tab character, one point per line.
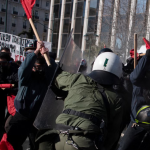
98	107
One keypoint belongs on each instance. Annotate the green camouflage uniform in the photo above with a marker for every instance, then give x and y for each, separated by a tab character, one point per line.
84	96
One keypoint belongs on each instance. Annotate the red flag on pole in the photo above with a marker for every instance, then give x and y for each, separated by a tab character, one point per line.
28	5
147	43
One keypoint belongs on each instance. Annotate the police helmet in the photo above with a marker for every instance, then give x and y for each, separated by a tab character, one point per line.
143	117
107	69
104	50
31	45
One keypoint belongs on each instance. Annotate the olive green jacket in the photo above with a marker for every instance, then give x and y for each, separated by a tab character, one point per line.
84	96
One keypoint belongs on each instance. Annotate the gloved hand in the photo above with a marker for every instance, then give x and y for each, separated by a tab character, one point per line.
148	53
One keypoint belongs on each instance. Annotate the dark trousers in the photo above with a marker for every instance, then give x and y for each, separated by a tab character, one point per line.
3	105
18	128
133	137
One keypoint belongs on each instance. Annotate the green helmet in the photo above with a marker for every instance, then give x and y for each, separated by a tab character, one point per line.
143	117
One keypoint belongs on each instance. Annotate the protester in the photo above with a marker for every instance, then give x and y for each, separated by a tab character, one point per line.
134	135
32	88
8	75
92	112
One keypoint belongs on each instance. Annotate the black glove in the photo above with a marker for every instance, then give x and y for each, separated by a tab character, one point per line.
148	53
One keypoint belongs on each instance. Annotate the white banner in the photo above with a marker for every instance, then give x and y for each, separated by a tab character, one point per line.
17	45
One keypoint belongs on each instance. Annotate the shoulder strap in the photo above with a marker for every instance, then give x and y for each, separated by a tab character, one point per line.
105	99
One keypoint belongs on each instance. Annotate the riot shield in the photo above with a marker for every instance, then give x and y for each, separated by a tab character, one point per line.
51	108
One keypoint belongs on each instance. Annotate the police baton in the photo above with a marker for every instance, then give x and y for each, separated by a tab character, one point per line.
38	39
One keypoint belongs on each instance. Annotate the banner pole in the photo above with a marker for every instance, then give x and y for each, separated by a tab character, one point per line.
38	39
135	50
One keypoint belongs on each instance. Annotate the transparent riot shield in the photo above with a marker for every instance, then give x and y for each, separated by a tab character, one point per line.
51	108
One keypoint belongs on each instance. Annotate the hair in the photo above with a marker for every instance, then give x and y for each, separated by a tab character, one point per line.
4	55
6	49
40	60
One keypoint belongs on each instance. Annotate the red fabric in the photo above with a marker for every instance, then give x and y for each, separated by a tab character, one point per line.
10	105
132	54
4	144
147	43
28	5
5	85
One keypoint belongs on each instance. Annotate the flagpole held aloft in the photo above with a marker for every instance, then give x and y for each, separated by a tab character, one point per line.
135	50
28	5
38	39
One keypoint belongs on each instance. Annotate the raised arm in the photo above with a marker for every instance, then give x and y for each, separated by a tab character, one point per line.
137	77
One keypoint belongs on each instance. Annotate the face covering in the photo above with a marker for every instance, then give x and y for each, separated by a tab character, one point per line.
38	75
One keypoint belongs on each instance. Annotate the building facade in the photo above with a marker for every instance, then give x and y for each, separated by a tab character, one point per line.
96	23
17	21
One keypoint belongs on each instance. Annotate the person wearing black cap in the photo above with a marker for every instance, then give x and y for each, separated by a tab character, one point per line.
30	47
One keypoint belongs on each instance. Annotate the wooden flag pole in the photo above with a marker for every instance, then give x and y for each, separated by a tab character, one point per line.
38	39
135	50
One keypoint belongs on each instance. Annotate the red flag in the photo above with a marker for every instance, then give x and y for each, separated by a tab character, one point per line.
4	144
132	54
28	5
147	43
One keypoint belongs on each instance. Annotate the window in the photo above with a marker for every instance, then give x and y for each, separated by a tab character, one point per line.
3	8
67	25
47	3
78	25
78	39
36	14
55	41
37	3
1	20
79	10
68	10
93	7
24	24
91	24
56	11
16	0
56	1
45	28
56	25
64	39
15	11
46	17
13	22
